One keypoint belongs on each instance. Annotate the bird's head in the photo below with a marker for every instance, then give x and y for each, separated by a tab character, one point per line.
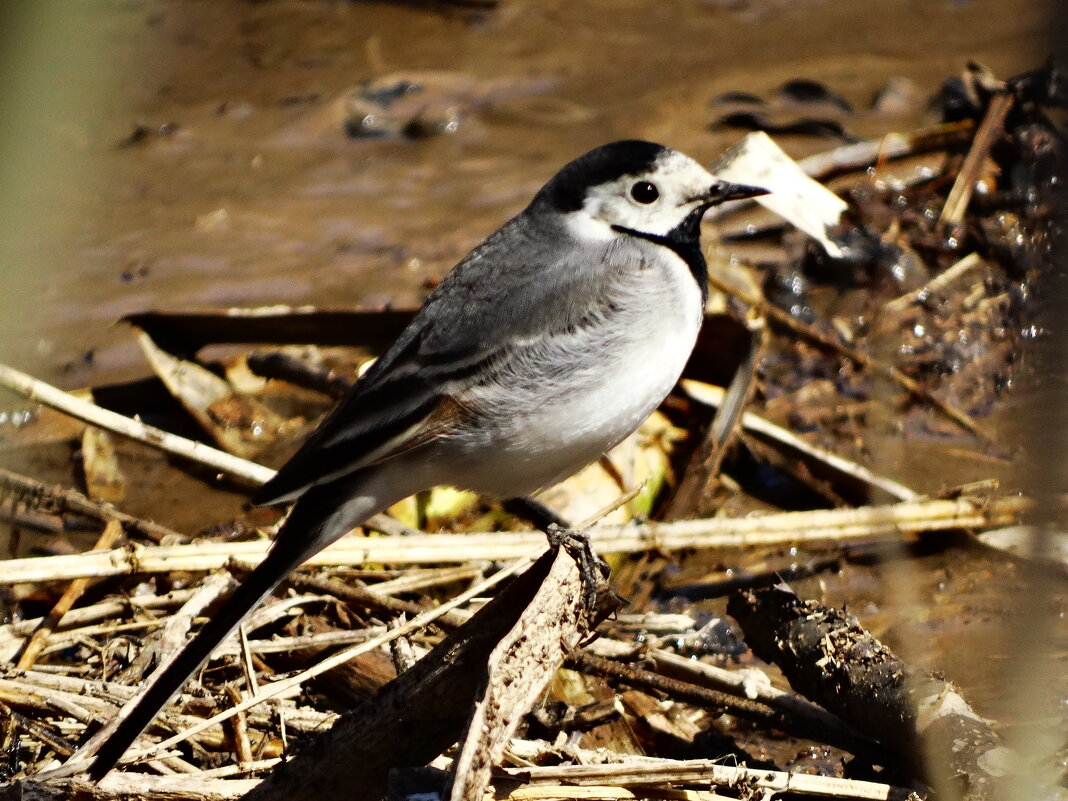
636	186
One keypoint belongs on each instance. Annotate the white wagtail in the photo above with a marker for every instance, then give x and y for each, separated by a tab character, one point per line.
545	347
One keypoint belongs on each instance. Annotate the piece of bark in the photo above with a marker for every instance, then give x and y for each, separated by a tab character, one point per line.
415	717
831	659
239	424
184	333
519	668
720	345
104	480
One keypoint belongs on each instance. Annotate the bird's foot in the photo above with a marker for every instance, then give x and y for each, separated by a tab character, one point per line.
593	569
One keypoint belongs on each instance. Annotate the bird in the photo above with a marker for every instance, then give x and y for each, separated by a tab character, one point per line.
541	350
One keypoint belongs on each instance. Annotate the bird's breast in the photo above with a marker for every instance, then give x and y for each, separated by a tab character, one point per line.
564	400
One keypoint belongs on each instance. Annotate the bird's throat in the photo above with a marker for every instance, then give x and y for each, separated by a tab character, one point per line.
685	241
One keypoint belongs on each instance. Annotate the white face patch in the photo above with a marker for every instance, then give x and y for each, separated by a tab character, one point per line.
675	179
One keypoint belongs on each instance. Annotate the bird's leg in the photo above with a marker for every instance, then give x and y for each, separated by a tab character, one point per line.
560	532
535	512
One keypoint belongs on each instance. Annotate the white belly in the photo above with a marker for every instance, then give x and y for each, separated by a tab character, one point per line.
607	384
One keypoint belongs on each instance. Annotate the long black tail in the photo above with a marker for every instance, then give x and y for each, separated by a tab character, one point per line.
321	515
166	683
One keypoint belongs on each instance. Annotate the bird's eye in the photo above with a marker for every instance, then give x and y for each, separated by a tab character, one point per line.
644	192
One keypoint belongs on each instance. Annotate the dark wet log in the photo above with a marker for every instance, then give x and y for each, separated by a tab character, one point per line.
184	333
831	659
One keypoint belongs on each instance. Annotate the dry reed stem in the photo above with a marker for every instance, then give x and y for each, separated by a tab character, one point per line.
706	771
942	281
961	193
560	792
37	390
786	528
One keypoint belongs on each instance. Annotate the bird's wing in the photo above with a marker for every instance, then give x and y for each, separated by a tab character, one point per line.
487	308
